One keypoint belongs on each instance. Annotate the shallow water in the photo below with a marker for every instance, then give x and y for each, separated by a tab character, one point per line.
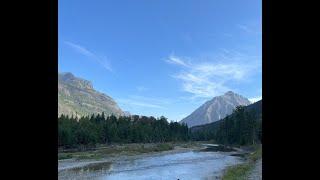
185	165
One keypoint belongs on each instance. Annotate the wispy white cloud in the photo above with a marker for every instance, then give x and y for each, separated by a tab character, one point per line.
139	103
84	51
149	102
206	79
255	99
251	29
141	88
244	28
154	100
176	60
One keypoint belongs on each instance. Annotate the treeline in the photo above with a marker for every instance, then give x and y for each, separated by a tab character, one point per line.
99	129
242	127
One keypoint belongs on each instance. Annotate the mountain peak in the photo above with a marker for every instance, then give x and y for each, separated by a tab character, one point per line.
76	96
229	93
67	75
70	79
215	109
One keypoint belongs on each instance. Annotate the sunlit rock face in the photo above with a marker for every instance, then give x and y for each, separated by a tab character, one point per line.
77	97
215	109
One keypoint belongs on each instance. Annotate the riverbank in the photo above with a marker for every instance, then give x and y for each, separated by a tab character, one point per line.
103	151
183	162
248	169
120	152
112	158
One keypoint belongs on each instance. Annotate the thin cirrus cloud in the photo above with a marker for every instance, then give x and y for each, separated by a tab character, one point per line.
141	88
142	101
176	60
250	29
209	79
137	102
84	51
158	100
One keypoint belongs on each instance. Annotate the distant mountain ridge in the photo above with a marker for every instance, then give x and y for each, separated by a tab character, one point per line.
215	109
255	108
76	96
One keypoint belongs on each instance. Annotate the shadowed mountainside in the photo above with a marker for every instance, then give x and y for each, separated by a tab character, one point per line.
255	108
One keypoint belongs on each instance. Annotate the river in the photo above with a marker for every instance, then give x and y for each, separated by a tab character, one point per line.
178	165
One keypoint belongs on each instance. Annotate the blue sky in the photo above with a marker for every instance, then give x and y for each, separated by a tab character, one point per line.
163	57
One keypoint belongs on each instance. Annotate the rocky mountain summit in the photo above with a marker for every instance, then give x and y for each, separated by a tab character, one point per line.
215	109
76	96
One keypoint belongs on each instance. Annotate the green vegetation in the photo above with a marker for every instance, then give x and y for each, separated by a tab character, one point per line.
241	172
257	154
98	129
163	147
110	150
64	156
242	127
238	172
96	136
